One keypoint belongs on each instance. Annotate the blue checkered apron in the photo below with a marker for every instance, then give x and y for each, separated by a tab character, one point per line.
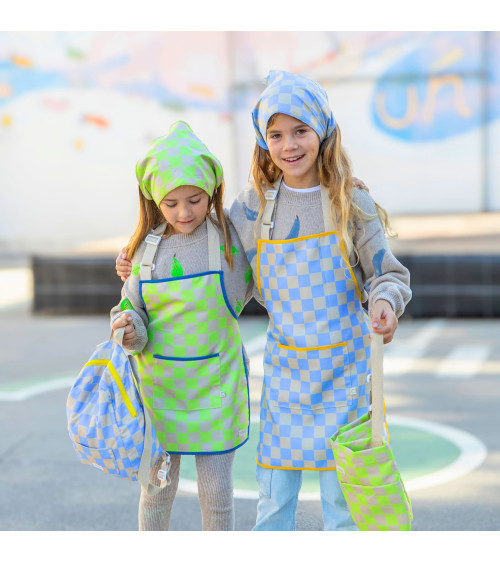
317	354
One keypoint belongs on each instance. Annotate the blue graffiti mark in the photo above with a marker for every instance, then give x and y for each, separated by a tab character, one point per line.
436	91
377	261
22	80
26	79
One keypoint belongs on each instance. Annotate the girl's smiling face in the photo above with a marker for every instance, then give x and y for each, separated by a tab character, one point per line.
185	208
293	147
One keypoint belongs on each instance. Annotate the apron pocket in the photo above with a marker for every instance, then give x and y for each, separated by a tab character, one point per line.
186	384
310	380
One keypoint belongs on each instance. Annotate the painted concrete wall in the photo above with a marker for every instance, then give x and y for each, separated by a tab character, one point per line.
418	113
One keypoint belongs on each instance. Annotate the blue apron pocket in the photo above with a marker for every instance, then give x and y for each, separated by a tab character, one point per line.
309	381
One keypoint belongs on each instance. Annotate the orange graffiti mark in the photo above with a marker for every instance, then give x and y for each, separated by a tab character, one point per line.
96	120
6	120
399	122
21	61
201	90
453	56
436	83
5	90
427	110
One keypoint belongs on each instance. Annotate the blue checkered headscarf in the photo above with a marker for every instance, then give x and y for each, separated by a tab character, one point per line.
296	96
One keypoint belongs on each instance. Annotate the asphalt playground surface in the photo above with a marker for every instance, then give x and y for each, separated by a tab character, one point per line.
441	386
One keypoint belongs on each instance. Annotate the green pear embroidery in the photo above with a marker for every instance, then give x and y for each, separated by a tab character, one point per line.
239	306
248	274
126	305
136	268
176	271
233	250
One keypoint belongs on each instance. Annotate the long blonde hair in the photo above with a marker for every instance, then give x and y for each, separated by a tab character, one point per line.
334	169
150	217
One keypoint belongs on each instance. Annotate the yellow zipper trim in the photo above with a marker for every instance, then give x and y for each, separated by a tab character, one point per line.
310	349
118	381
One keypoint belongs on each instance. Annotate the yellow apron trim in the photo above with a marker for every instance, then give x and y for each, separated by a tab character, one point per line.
257	264
311	349
297	468
118	381
385	421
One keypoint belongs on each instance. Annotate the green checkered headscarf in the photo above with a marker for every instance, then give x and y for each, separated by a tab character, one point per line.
177	159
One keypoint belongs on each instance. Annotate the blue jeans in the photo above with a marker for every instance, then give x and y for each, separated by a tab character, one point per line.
279	494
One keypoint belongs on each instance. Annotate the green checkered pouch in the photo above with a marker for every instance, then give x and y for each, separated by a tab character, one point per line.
366	467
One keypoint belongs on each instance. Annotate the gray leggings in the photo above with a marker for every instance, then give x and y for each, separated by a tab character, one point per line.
215	492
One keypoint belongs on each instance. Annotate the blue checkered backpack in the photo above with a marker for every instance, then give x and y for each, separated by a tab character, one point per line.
107	423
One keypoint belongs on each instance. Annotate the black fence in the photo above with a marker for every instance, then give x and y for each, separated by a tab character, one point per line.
443	286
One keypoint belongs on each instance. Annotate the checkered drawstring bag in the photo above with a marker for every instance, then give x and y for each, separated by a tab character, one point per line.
366	467
107	423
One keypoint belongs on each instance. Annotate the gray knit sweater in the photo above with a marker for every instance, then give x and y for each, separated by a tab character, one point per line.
191	257
299	214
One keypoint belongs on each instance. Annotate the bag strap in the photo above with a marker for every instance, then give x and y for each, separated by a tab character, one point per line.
377	387
147	451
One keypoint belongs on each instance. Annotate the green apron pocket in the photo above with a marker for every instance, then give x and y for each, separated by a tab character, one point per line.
186	384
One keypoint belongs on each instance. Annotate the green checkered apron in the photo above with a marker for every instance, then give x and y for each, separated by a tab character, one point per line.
317	353
192	372
366	467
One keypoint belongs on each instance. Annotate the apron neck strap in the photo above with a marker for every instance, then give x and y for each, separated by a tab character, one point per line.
152	243
268	213
214	262
327	215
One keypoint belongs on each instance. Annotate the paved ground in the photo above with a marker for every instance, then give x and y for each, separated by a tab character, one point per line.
44	487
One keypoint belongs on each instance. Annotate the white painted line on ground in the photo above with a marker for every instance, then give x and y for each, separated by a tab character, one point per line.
463	361
400	358
38	389
472	454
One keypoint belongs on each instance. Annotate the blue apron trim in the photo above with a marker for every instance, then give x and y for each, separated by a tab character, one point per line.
175	358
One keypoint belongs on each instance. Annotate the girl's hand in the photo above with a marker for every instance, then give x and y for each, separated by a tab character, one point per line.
384	321
123	266
125	321
357	183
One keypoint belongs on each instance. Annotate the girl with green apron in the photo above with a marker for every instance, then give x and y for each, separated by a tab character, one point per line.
180	308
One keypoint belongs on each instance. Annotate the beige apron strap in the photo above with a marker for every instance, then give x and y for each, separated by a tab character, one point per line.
267	215
327	215
377	385
152	242
214	262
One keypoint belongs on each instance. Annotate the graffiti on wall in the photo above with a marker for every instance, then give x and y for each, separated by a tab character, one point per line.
446	87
